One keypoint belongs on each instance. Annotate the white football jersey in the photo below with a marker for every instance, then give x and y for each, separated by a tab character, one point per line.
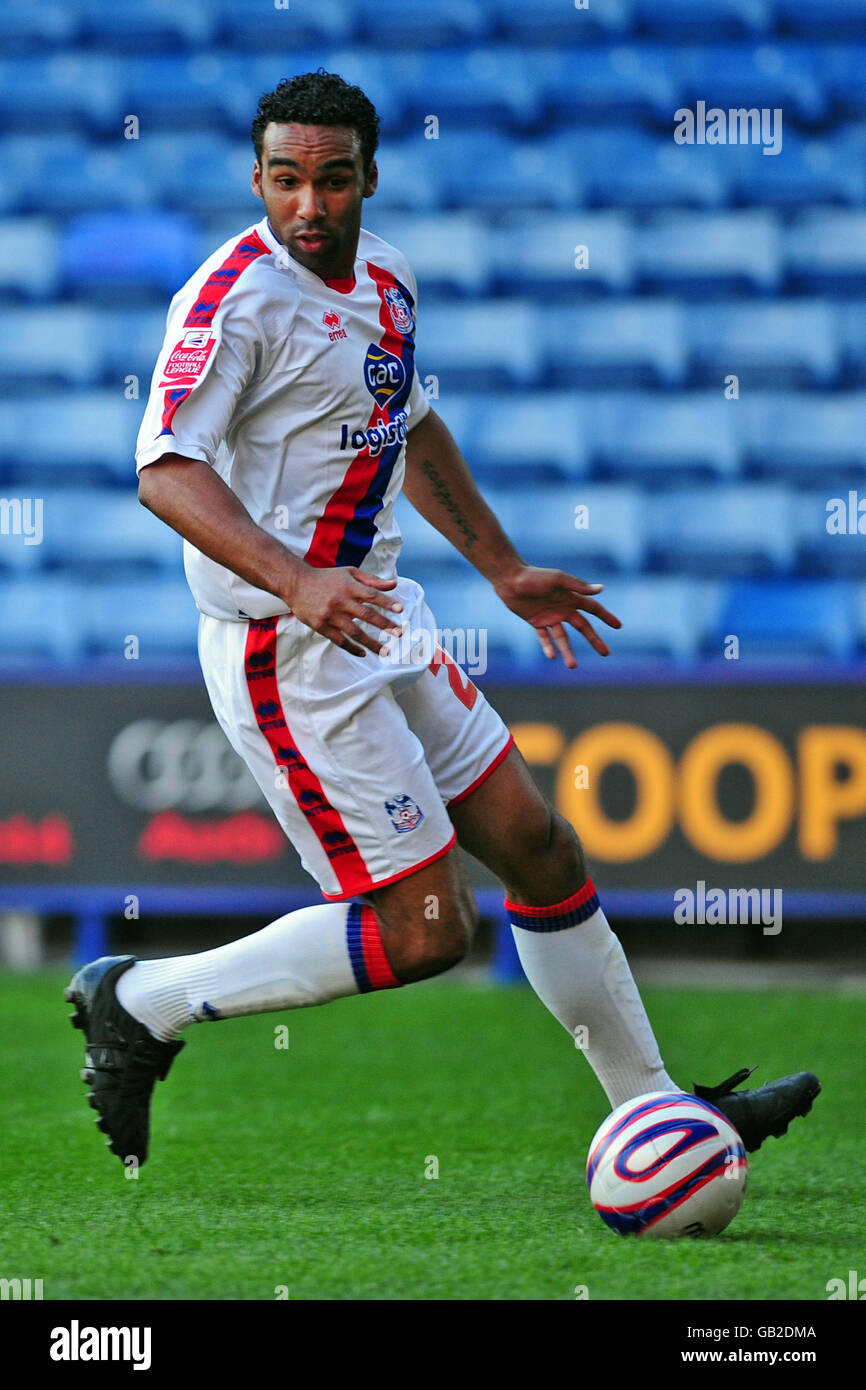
300	394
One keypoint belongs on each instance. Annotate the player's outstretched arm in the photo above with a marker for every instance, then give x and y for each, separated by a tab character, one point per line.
190	497
440	486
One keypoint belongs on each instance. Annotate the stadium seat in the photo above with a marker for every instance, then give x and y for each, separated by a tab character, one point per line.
834	551
798	434
392	23
841	69
306	24
28	160
731	75
814	169
674	19
653	437
408	177
783	343
710	250
831	19
627	167
612	530
29	261
480	168
779	618
478	346
859	599
103	252
551	21
158	24
103	532
181	167
161	613
475	86
738	529
468	602
539	251
48	344
450	251
177	91
130	340
661	616
79	89
826	248
605	82
83	436
522	439
852	325
26	27
628	342
41	620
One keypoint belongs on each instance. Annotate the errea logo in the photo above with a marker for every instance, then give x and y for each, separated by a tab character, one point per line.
332	321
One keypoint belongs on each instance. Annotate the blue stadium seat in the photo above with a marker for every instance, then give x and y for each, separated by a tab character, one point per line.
538	251
612	531
385	23
106	532
824	169
481	168
28	160
295	24
676	19
826	248
102	252
626	167
24	525
627	342
661	616
790	618
852	321
555	22
45	344
81	174
449	251
654	437
860	615
159	612
717	251
834	552
476	346
77	88
209	88
526	437
86	436
27	26
203	173
595	83
423	545
467	601
789	342
797	435
41	620
29	262
146	24
831	19
775	74
409	178
130	340
743	528
473	86
841	69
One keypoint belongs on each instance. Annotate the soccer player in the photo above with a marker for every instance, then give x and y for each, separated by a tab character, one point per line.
285	415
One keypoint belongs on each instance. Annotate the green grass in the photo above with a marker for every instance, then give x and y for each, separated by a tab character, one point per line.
305	1167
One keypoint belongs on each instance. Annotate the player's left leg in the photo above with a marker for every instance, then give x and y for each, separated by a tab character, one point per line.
571	957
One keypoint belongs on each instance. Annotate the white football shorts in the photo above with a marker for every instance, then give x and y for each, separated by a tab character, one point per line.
357	756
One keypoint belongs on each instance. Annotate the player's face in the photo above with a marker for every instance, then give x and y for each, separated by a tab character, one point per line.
311	180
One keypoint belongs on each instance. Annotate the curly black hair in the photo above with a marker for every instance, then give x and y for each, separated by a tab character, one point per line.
319	98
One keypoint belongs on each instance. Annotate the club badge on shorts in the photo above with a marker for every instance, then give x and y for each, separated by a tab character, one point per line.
405	813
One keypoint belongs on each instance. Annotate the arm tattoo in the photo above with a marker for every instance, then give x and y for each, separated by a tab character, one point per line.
443	496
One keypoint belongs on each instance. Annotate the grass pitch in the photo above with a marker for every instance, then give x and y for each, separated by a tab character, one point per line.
303	1168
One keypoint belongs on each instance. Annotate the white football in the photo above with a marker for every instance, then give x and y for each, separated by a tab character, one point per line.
666	1165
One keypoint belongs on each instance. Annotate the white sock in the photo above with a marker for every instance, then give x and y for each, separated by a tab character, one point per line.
578	969
307	957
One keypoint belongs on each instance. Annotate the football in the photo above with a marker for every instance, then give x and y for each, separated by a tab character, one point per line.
667	1165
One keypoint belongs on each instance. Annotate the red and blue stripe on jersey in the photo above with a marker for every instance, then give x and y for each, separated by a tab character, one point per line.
209	299
345	531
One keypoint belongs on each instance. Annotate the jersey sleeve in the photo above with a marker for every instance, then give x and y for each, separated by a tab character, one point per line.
205	364
418	402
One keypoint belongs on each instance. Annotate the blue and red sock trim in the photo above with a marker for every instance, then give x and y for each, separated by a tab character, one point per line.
366	952
559	916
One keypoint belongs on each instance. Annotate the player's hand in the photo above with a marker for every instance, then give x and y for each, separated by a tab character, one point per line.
333	602
547	599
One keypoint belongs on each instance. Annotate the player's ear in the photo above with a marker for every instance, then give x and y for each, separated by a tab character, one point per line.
372	180
256	181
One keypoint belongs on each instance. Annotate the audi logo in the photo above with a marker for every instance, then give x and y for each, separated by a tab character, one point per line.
185	765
